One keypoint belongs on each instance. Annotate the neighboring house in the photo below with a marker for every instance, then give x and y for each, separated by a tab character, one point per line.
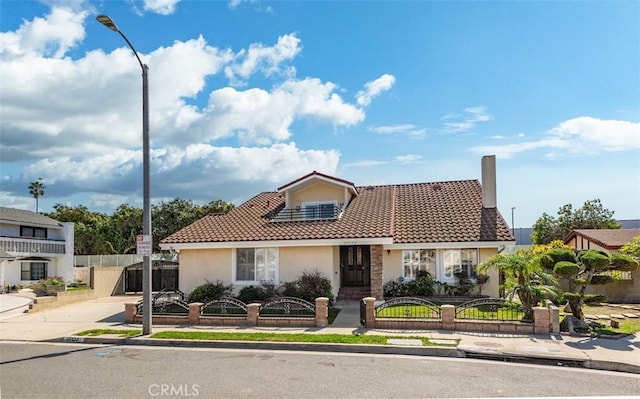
607	240
523	234
357	236
627	286
33	247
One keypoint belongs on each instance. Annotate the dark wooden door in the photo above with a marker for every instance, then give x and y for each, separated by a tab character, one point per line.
355	265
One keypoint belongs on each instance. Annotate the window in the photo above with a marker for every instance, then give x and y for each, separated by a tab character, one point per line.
455	260
33	270
256	264
416	260
36	232
320	210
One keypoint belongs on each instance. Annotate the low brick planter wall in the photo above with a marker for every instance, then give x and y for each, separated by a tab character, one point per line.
545	321
253	318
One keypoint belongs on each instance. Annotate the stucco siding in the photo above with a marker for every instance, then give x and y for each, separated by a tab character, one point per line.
295	260
492	286
392	265
201	264
316	192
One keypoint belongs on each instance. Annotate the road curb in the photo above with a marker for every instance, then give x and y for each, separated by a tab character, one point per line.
427	351
438	351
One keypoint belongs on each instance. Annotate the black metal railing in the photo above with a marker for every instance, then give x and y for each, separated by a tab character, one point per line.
167	302
491	309
408	308
288	307
224	307
320	212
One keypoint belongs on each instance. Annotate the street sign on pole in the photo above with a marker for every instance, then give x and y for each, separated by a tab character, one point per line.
144	245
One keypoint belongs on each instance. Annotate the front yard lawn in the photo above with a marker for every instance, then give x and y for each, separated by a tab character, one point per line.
106	331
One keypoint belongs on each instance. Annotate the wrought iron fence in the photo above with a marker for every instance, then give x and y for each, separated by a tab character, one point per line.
408	308
288	307
491	309
224	307
167	302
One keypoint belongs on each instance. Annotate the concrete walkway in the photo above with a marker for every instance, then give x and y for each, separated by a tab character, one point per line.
598	353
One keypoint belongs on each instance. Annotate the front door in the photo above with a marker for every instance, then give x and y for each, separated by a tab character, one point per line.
355	266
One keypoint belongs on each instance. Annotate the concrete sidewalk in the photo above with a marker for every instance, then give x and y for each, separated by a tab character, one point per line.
597	353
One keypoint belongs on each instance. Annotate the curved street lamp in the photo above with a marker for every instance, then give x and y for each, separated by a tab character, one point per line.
146	211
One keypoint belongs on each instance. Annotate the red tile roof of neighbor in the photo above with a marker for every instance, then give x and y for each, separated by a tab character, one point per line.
606	238
408	213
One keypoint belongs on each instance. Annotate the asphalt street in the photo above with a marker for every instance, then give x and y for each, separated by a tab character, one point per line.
30	370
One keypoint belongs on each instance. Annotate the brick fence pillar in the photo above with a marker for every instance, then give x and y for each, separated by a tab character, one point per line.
377	290
194	313
541	320
253	311
448	313
370	312
554	314
130	312
322	312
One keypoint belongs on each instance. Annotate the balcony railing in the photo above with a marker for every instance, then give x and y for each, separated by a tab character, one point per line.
31	246
321	212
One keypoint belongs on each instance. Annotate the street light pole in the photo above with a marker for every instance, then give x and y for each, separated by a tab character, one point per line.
513	229
146	210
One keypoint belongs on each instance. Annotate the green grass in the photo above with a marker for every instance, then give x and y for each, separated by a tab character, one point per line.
78	288
483	314
274	337
106	331
409	311
626	327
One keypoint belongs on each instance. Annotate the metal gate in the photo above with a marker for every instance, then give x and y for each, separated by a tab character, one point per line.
164	276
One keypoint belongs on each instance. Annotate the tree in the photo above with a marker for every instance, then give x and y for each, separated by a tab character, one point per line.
585	268
592	215
632	248
36	189
524	277
90	228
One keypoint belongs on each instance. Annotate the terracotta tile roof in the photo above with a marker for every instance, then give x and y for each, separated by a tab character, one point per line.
422	213
606	238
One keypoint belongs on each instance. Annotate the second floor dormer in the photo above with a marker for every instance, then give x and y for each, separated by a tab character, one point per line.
315	196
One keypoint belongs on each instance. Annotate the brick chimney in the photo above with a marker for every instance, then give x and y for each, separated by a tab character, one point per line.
489	181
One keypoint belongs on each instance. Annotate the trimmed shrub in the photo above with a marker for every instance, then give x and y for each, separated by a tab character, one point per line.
623	262
395	289
566	268
261	293
602	279
556	255
289	288
209	291
594	260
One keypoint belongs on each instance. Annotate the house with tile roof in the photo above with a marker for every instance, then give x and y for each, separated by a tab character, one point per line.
33	247
607	240
358	236
626	288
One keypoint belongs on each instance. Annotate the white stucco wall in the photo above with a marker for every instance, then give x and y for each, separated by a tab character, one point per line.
196	265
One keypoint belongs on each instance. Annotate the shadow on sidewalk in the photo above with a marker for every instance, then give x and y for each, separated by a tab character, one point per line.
623	344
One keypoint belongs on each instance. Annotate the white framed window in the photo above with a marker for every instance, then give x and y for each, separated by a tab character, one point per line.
416	260
253	265
320	210
455	260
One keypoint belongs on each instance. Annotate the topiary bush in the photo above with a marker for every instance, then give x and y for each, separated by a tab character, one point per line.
210	291
261	293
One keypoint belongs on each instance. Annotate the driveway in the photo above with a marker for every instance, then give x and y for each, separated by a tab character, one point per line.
64	321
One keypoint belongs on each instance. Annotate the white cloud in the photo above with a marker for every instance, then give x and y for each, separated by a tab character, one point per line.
578	136
265	59
365	163
374	88
51	36
412	131
467	121
163	7
408	159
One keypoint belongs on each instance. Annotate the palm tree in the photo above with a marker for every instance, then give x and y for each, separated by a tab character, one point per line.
36	189
525	277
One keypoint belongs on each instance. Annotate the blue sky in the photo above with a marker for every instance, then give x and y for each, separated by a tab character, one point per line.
246	96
